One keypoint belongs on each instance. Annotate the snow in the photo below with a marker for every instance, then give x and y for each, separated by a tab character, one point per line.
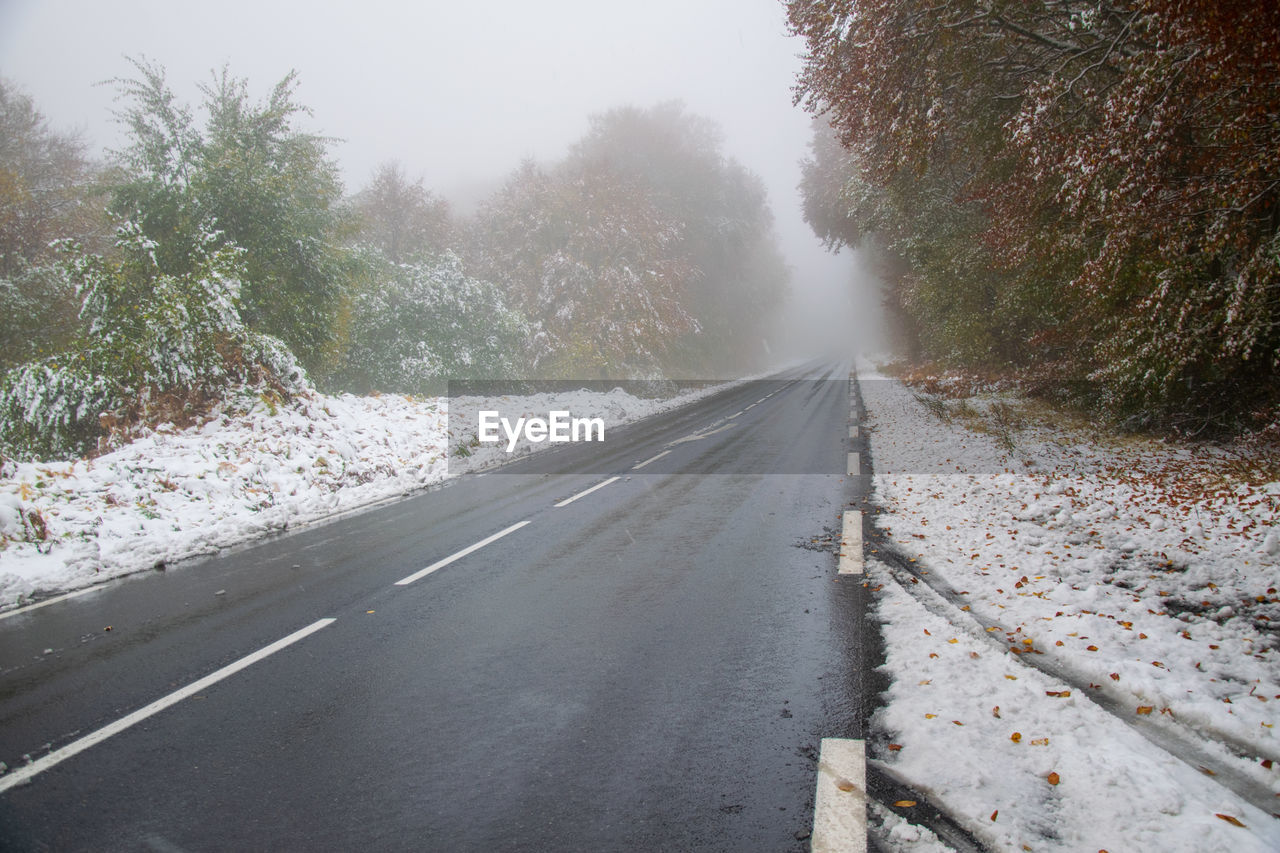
1113	602
252	469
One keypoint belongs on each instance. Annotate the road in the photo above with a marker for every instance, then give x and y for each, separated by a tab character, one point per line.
651	666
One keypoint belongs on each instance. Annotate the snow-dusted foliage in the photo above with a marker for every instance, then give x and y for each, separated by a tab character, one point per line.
151	345
594	263
1088	189
419	324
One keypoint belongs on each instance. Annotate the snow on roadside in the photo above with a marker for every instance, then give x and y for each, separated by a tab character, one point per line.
1143	574
252	469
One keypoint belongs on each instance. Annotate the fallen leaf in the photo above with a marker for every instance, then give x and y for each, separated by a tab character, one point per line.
1115	676
1040	741
1145	709
995	712
1054	779
1229	819
1016	737
1092	648
904	804
994	813
930	716
1061	694
895	747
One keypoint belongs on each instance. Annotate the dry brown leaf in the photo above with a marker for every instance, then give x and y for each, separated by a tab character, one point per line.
895	747
1016	737
1054	779
1040	741
1229	819
1145	709
994	813
904	804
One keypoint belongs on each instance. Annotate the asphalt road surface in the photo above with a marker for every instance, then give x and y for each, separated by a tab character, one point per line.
651	666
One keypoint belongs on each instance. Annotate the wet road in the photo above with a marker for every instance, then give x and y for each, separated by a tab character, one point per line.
649	667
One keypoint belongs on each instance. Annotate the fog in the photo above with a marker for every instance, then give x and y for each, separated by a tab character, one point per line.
459	93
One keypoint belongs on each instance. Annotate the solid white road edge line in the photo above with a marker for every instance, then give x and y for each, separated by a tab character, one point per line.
24	774
655	458
440	564
752	406
840	809
49	601
853	432
854	466
851	544
586	492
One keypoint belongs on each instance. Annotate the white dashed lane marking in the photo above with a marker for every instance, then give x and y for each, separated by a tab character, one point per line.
840	808
851	544
440	564
585	492
25	774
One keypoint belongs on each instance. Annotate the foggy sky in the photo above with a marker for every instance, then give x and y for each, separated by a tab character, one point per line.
458	92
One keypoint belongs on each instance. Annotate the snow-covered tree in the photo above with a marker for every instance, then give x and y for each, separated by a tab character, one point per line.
594	264
419	324
267	186
152	346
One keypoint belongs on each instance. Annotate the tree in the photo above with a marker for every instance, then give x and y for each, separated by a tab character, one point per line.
1107	174
153	345
45	187
401	218
252	177
725	226
420	324
593	263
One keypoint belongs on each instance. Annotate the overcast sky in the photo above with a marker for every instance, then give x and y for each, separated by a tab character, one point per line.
458	92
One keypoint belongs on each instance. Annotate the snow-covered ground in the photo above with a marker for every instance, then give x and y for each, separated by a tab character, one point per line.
252	469
1081	632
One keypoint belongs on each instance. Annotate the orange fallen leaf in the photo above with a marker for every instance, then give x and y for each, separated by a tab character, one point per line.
1054	779
1061	694
905	804
1145	709
1016	737
1040	741
895	747
994	813
1229	819
1012	677
1092	648
930	716
1115	676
